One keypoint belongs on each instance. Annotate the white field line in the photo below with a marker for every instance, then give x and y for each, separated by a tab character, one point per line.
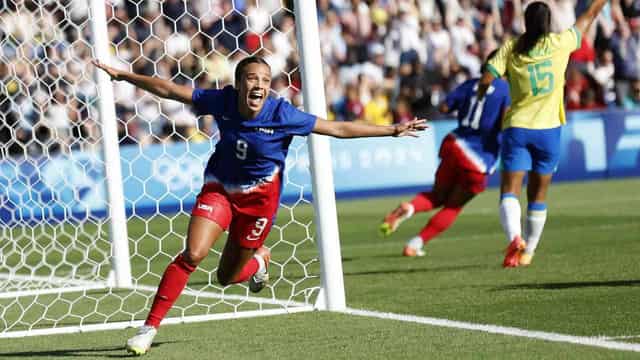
618	337
502	330
129	324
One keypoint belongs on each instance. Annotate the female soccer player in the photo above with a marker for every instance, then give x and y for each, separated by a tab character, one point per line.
242	178
468	155
534	64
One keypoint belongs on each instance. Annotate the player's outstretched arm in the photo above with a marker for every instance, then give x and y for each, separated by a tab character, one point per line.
160	87
343	130
586	19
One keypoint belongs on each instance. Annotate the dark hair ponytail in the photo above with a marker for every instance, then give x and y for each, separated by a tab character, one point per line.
537	23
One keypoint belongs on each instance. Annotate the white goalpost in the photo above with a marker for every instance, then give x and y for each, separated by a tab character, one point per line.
97	179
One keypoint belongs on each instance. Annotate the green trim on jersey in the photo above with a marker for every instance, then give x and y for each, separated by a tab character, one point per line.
578	37
493	71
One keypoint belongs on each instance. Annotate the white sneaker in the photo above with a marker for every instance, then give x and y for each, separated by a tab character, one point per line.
260	279
414	247
141	342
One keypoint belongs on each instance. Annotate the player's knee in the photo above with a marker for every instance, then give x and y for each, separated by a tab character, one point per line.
194	257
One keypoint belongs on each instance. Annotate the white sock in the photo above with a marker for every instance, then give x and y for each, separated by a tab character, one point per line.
261	265
510	216
535	224
415	243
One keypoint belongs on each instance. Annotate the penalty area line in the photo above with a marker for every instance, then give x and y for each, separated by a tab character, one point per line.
502	330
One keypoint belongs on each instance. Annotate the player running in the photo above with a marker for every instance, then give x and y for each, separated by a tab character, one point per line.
534	64
242	183
468	155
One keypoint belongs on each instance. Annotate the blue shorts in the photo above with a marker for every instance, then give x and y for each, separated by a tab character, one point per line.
537	150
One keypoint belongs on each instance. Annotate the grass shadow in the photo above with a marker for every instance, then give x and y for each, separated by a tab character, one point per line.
419	270
92	353
569	285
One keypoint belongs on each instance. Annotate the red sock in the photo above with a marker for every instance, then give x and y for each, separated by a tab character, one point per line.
425	201
440	222
173	282
247	271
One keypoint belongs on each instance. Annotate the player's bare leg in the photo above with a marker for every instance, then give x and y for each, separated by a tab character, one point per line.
440	221
202	235
239	264
510	213
424	201
537	187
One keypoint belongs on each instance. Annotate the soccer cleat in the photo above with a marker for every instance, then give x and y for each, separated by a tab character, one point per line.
260	279
525	259
414	247
513	252
409	251
141	342
395	218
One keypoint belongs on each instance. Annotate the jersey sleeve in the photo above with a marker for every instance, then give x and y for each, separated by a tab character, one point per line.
296	122
497	66
455	98
571	39
208	101
505	93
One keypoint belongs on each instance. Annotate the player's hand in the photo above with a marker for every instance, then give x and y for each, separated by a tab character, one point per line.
410	128
112	72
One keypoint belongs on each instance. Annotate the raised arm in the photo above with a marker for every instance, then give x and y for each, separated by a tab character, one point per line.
341	129
584	21
157	86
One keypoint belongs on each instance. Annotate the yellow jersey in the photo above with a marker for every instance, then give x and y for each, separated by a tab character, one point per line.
536	80
377	111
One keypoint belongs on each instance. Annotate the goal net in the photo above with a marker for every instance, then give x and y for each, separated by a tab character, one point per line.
97	181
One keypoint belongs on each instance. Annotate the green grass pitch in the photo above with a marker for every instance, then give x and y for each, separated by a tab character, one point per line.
584	281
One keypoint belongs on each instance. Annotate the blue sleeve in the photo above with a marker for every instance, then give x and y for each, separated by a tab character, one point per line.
455	99
296	122
506	94
208	101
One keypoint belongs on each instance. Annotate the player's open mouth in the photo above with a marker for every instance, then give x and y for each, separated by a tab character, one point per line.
255	97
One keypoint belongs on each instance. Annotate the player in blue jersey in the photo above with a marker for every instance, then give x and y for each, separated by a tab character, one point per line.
242	178
468	155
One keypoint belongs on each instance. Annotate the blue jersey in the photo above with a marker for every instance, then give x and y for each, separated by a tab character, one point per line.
479	122
250	151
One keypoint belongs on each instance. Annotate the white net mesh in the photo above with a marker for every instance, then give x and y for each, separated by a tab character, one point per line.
55	260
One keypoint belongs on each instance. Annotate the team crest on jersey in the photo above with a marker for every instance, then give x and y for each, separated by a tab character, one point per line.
267	131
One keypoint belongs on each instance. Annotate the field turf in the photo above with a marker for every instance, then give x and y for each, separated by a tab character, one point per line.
584	281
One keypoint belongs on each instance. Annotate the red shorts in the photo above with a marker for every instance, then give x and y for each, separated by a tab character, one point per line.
248	216
456	169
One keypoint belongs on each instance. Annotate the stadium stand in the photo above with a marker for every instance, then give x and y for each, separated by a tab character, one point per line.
384	60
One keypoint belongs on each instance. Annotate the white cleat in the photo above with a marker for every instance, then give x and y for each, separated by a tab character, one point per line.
260	279
408	251
414	248
141	342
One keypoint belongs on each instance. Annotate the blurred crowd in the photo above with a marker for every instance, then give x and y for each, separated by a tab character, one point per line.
384	61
